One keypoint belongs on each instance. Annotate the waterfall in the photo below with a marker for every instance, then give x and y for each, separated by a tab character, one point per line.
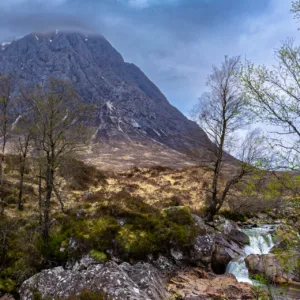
261	242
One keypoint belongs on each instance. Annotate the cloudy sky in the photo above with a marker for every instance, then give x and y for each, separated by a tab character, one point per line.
175	42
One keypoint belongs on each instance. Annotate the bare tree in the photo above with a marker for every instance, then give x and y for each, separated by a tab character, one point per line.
274	98
56	127
221	114
23	144
5	114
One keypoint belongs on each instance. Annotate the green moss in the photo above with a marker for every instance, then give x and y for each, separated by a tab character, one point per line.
7	285
99	256
136	243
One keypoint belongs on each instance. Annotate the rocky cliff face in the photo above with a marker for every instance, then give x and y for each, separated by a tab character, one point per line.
129	106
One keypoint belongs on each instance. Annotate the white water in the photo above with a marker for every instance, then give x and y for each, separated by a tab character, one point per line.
260	243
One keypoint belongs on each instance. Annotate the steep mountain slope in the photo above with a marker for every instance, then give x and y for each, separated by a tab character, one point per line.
129	106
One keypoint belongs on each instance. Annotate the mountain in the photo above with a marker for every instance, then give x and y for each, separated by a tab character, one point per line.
130	108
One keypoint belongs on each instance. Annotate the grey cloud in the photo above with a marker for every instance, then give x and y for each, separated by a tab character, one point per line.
174	42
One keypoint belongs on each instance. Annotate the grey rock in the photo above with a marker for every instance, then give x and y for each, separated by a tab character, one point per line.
202	250
119	282
84	263
164	264
202	226
177	255
225	250
230	229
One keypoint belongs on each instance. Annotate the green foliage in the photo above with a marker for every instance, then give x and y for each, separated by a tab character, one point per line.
54	249
19	257
126	225
145	230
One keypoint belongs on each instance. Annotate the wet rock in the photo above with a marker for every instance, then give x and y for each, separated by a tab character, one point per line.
224	251
194	284
269	266
230	229
139	282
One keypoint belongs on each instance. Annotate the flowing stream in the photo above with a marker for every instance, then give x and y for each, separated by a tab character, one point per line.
261	242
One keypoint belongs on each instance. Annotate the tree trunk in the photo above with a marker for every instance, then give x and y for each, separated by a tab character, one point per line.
40	196
23	156
2	183
22	171
49	189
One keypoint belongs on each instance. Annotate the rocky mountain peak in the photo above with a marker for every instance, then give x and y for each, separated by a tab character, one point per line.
129	106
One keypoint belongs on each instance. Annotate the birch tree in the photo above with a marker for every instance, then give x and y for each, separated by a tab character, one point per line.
5	119
221	113
56	118
273	96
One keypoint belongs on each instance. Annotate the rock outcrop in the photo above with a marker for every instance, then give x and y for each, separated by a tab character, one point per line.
119	282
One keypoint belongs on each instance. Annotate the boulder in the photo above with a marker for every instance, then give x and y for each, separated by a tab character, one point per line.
138	282
230	229
202	250
163	264
203	227
214	250
224	251
271	268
